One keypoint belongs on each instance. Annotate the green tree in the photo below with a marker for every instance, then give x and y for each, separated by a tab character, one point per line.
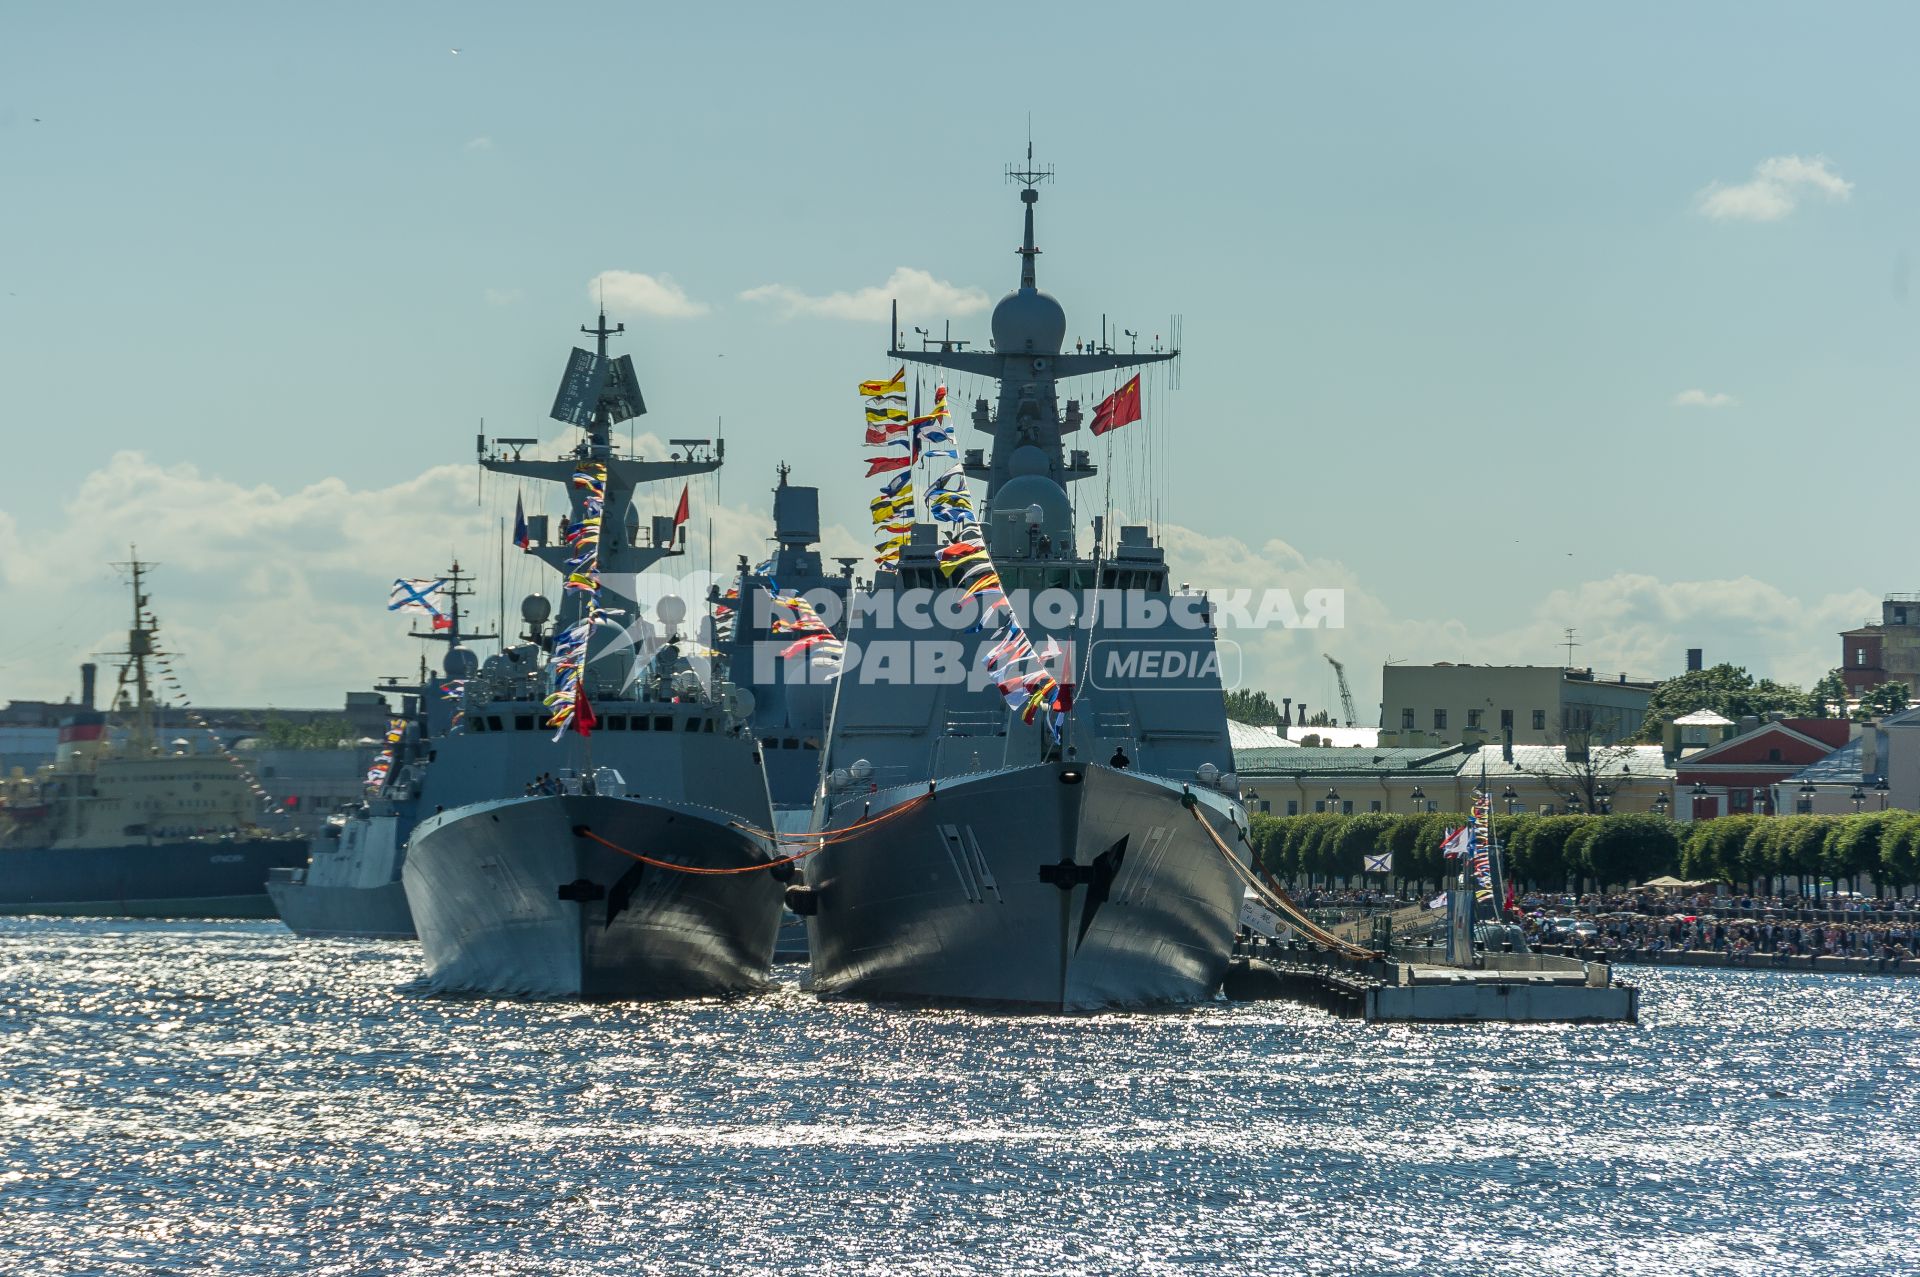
1620	850
1549	861
1727	690
1852	844
1900	853
1878	702
1714	850
321	733
1830	695
1257	708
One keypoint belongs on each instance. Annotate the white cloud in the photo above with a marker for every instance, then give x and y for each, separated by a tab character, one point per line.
502	296
1702	399
630	292
479	144
1775	190
918	293
1633	623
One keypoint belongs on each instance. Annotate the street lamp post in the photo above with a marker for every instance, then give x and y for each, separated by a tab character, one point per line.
1602	800
1419	797
1660	805
1859	797
1882	788
1333	800
1511	797
1807	794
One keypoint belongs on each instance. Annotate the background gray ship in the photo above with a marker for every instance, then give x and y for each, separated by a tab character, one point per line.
350	885
792	696
988	863
552	893
137	830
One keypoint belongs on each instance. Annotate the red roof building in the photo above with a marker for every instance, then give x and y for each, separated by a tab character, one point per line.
1737	776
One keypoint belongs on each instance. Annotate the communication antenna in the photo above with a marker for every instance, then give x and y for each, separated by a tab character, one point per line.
1570	644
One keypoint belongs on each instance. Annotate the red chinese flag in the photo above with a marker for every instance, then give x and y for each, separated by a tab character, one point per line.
1118	408
584	719
880	465
680	511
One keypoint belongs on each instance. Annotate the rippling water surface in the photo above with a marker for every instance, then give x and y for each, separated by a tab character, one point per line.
222	1098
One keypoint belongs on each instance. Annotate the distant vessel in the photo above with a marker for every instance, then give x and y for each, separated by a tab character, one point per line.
1080	854
138	831
637	858
350	885
792	694
768	624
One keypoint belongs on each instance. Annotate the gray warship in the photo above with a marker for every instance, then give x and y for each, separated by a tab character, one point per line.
350	886
630	853
1084	861
135	830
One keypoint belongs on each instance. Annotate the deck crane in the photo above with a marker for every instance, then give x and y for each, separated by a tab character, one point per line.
1346	693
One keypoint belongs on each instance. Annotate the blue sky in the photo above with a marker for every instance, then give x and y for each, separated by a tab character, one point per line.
1448	275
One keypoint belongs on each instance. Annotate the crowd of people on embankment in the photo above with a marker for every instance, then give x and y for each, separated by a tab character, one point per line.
1646	923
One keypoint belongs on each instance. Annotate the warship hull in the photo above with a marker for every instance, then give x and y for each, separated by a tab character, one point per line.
1027	889
509	897
353	913
217	878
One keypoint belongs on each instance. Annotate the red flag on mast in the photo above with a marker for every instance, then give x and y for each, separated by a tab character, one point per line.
1118	408
584	720
680	511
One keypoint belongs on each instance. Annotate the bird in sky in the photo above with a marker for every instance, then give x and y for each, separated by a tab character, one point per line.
454	52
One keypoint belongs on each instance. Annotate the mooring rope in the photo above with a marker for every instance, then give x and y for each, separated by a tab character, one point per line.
1279	899
824	840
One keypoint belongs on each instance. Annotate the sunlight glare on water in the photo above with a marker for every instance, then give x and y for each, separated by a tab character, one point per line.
220	1098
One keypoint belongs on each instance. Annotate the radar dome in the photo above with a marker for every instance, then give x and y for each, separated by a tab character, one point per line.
534	609
1019	495
1028	321
1027	459
461	663
671	609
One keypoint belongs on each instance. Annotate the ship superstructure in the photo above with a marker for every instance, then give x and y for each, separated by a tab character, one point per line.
606	830
1072	849
780	624
135	829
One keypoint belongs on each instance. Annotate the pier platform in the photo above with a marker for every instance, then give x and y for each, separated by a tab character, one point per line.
1413	984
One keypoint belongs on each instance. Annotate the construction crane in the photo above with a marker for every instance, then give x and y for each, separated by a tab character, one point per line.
1346	693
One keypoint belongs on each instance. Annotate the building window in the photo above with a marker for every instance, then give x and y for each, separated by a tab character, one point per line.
1439	720
1293	806
1860	657
1473	718
1804	806
1773	755
1319	806
1373	805
1406	720
1346	807
1539	720
1506	720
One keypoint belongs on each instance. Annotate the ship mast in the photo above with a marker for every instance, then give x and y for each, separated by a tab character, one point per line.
1027	360
140	634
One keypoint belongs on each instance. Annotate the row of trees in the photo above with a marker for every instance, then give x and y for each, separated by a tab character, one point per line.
1730	691
1597	852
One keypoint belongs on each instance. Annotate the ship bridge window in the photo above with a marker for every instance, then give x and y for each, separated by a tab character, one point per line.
493	723
663	722
641	722
615	723
523	722
693	724
770	742
789	743
708	729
